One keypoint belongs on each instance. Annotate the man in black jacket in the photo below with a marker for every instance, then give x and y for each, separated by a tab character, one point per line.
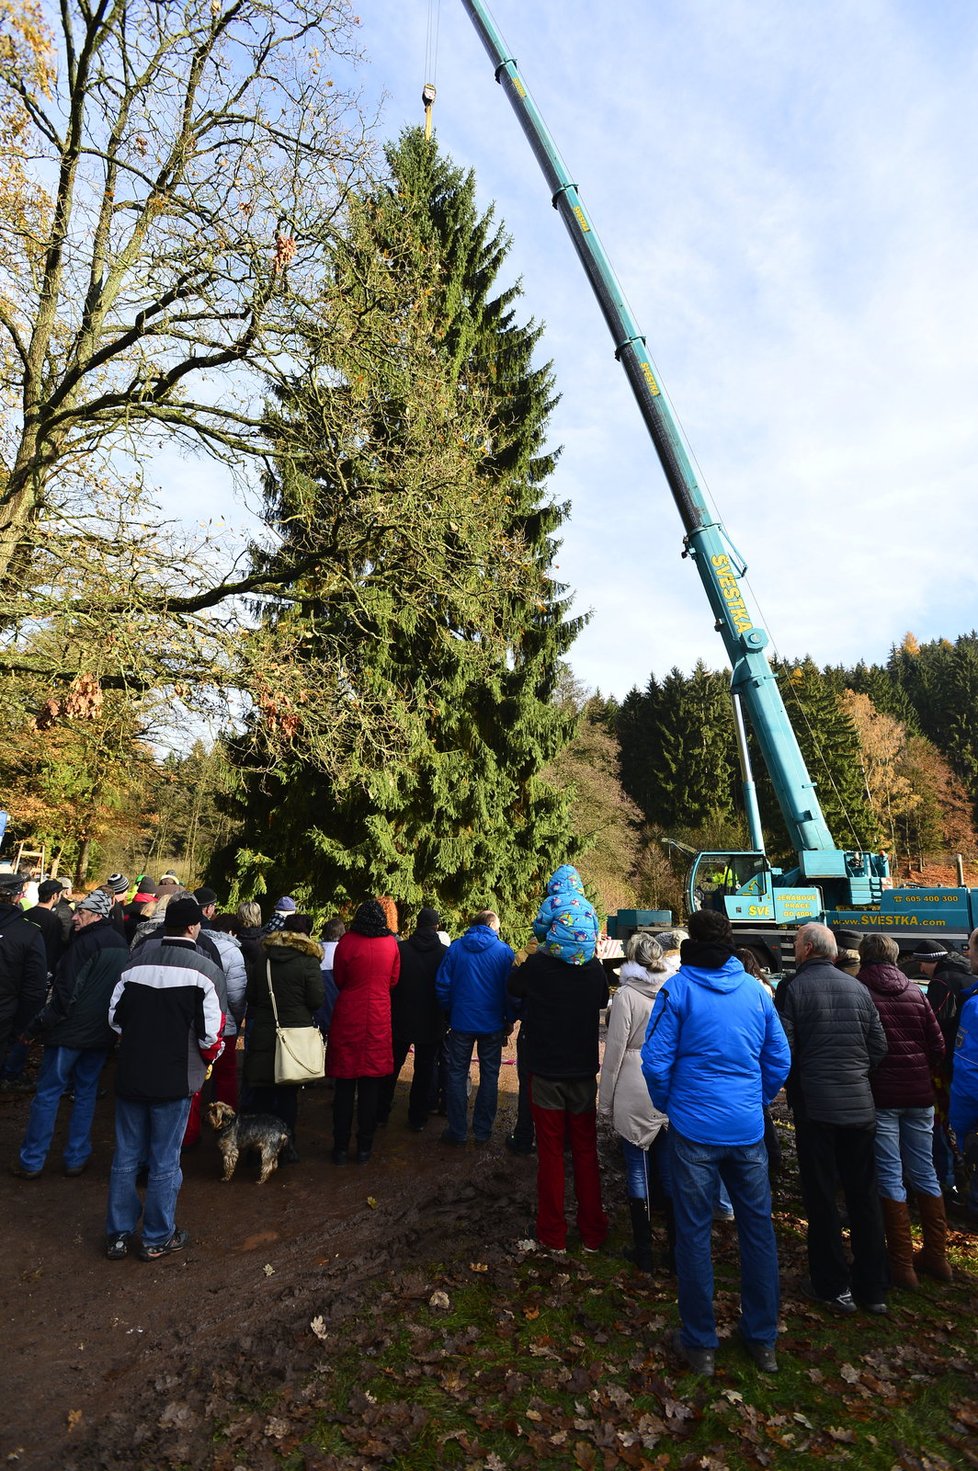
23	962
836	1040
74	1027
416	1018
166	1008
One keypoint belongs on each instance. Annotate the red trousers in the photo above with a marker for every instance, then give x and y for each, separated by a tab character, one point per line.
551	1124
224	1076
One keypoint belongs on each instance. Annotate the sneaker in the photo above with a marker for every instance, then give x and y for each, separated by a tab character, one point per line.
762	1354
878	1309
842	1303
363	1156
449	1138
72	1172
117	1247
340	1156
177	1242
22	1172
700	1360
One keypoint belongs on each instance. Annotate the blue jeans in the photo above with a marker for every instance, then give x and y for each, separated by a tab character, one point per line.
63	1069
146	1133
905	1146
695	1169
490	1049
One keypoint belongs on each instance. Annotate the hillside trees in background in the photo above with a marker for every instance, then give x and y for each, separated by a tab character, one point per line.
941	681
453	630
622	865
881	781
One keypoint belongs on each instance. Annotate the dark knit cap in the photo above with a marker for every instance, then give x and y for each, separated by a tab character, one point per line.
180	914
117	883
846	939
428	919
930	950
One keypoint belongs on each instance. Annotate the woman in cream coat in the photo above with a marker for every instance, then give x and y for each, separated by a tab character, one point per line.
623	1092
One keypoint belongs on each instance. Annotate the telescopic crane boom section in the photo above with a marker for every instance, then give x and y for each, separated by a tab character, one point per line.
705	538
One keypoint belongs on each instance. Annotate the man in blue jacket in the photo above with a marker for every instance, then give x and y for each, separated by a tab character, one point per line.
471	986
963	1111
715	1054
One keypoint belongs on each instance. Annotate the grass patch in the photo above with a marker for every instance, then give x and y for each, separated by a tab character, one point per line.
520	1358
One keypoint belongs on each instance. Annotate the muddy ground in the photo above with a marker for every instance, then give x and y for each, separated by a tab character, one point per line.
127	1364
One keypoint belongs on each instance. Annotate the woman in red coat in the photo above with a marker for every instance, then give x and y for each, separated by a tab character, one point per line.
360	1053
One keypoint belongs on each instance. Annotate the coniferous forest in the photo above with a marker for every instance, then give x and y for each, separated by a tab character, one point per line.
374	692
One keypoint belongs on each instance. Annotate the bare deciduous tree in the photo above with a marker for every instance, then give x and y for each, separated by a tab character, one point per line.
178	162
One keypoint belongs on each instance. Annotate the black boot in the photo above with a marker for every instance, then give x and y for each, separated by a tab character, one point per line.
641	1252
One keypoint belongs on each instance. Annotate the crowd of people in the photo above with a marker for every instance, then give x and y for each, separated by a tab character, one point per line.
882	1080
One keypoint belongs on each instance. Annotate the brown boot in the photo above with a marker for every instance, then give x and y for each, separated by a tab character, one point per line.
933	1223
899	1244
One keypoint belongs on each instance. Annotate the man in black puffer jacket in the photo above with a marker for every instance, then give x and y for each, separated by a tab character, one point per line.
23	962
74	1027
836	1040
416	1018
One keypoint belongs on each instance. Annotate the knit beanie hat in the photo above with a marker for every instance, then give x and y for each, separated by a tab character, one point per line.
285	905
98	902
370	920
566	924
117	882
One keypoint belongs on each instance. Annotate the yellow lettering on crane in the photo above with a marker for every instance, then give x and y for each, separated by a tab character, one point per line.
517	84
582	220
730	590
650	379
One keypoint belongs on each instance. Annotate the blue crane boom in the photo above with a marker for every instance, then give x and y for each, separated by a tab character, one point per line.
847	888
718	564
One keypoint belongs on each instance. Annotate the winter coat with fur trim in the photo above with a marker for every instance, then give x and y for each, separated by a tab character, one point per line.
297	981
365	970
624	1093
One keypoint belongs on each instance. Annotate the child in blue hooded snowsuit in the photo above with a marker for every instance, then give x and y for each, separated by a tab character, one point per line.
562	989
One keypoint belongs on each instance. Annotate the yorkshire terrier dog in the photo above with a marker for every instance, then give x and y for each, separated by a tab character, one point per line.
237	1133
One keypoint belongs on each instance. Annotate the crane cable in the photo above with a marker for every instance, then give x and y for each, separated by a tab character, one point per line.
429	91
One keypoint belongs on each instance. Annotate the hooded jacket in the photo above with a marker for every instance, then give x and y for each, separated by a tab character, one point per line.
837	1039
623	1092
914	1045
715	1054
471	982
963	1110
297	982
365	970
566	925
414	1004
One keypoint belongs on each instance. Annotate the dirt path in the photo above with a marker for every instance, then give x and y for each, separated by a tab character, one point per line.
118	1364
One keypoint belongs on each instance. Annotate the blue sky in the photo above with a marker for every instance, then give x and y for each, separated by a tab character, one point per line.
788	195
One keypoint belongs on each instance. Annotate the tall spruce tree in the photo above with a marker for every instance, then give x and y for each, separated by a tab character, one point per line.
462	631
